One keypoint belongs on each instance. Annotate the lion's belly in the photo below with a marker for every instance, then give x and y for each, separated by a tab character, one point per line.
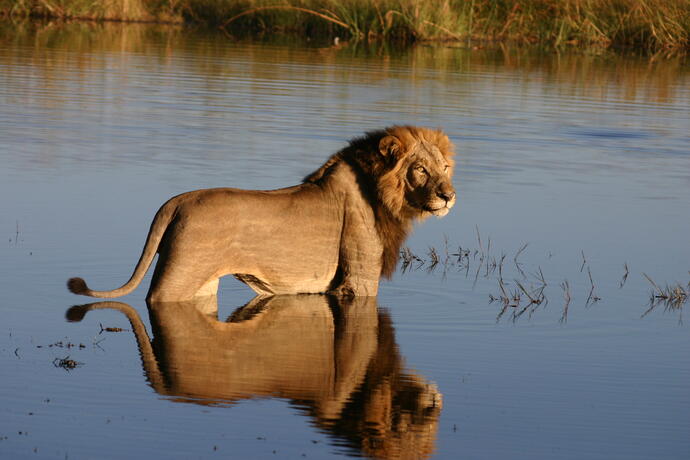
284	260
285	286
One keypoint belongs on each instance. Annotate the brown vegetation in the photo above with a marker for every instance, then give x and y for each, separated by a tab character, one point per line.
643	24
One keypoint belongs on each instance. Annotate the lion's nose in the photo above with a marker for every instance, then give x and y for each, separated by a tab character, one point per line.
446	195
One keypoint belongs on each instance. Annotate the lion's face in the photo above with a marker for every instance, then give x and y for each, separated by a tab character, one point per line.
420	183
427	180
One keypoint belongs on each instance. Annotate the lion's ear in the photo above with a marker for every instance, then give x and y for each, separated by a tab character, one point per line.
390	146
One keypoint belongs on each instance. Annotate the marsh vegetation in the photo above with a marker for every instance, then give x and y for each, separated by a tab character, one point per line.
650	25
524	291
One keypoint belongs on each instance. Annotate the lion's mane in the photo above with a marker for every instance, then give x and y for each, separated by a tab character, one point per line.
381	179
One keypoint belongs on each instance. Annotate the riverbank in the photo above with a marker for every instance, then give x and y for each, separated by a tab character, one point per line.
648	25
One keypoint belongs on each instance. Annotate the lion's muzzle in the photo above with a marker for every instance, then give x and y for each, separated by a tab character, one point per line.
445	199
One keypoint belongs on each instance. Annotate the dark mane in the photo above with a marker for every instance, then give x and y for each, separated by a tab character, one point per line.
377	179
365	147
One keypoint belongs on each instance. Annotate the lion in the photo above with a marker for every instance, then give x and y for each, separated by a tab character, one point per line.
338	232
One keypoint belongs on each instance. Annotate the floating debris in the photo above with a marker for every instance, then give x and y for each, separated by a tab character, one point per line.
66	363
110	329
61	344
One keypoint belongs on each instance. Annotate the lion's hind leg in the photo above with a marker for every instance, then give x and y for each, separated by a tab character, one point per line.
177	279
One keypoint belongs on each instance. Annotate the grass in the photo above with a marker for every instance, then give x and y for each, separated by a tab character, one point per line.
527	292
651	25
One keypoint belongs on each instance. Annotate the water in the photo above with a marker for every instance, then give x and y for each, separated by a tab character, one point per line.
582	157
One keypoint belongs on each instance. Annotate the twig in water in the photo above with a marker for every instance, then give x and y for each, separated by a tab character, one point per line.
66	363
532	300
488	258
504	296
110	329
476	275
584	261
674	296
479	239
539	275
625	277
502	312
434	259
500	264
658	289
592	297
515	259
408	257
566	295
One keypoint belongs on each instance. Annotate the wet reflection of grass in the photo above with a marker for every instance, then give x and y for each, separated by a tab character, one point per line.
601	76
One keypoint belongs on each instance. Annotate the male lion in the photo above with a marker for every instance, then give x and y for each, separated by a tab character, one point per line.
337	232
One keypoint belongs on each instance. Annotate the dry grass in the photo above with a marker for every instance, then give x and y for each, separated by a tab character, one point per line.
644	24
674	294
525	294
117	10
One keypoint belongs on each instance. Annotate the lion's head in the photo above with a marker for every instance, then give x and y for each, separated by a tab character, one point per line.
405	171
417	182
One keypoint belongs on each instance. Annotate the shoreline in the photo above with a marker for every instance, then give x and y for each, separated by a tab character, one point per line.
649	26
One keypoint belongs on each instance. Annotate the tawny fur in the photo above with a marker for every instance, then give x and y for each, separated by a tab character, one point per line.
337	232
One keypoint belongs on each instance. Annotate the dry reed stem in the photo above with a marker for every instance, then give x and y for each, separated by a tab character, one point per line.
625	276
591	297
515	260
286	7
675	295
452	34
566	295
434	259
584	261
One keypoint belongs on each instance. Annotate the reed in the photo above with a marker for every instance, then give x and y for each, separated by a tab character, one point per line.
114	10
643	24
674	294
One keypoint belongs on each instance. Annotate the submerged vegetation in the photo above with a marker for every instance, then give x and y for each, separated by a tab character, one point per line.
652	25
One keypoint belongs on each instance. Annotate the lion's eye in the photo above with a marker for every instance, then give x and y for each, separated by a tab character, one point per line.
420	169
445	168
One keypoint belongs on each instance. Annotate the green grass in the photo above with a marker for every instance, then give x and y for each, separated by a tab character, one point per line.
651	25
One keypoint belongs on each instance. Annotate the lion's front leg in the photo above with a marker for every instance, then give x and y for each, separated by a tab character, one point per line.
353	285
360	259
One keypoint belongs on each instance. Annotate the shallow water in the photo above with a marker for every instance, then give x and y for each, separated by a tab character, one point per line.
585	158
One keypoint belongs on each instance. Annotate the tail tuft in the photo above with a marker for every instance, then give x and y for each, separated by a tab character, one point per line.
76	313
77	286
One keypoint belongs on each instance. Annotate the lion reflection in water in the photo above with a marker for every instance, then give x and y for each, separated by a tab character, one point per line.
345	368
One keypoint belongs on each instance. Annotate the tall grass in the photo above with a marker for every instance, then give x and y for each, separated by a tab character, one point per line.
647	24
116	10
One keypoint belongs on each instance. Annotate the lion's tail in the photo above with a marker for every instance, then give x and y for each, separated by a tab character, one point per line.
158	227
